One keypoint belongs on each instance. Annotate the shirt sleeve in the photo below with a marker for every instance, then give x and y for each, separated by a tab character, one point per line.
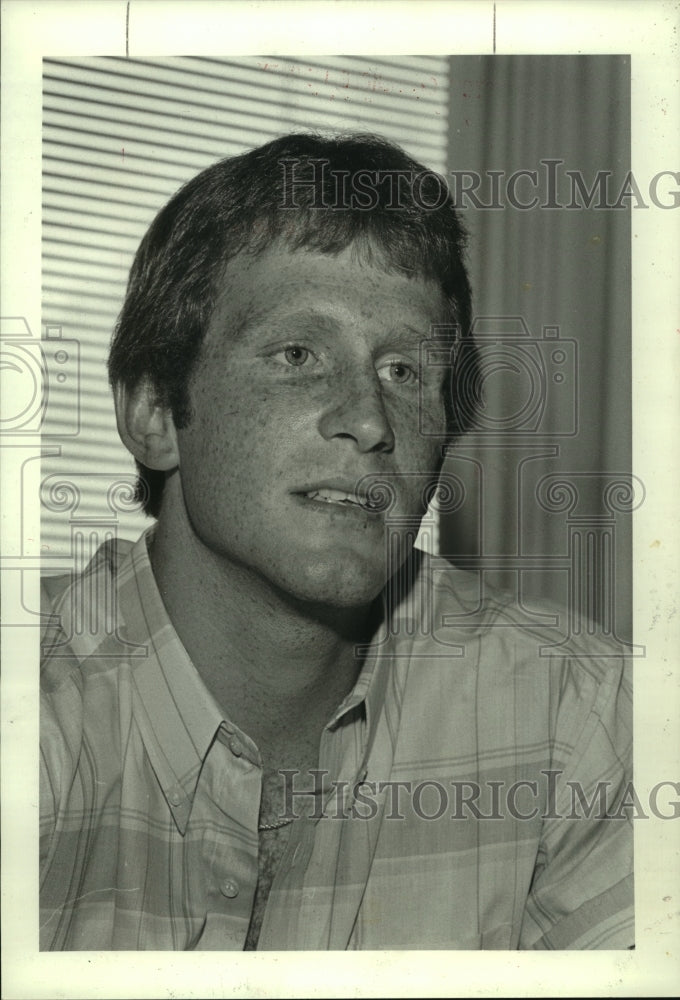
581	895
60	741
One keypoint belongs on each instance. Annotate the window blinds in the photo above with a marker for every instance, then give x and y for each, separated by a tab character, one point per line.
119	137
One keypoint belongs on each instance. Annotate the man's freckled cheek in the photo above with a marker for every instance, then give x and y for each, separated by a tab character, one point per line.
432	416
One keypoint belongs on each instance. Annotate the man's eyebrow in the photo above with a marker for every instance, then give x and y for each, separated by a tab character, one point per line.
305	320
311	320
408	335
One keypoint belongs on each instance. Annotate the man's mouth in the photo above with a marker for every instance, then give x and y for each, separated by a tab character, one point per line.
327	495
344	496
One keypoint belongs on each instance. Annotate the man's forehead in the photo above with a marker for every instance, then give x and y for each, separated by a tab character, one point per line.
254	286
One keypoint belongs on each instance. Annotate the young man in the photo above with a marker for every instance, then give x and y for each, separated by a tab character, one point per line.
302	733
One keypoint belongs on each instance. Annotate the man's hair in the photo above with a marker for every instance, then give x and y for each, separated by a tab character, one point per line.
301	191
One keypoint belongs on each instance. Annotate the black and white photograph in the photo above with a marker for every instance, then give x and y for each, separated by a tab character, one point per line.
344	576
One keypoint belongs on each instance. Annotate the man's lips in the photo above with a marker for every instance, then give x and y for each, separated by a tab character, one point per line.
337	494
327	495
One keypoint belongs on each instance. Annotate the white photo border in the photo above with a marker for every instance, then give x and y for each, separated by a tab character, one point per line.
650	32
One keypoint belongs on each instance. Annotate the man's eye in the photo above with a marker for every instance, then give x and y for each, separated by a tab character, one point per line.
296	355
398	372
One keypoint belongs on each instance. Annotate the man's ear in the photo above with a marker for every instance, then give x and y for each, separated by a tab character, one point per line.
146	428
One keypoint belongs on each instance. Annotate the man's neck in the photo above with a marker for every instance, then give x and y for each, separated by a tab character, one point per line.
274	665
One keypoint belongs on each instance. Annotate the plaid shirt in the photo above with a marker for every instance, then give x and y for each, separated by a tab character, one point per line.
474	784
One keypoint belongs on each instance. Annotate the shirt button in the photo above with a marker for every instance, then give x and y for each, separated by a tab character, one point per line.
235	747
175	796
229	888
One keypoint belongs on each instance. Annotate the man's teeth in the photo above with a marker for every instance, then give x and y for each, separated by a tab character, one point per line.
334	496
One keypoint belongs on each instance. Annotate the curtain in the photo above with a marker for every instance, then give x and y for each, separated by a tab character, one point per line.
546	472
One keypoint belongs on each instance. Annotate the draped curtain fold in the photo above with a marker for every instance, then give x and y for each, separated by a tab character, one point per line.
565	272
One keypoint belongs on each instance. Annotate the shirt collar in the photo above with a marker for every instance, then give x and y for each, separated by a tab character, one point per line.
178	717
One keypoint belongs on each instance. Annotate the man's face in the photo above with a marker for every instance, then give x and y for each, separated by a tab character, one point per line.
309	382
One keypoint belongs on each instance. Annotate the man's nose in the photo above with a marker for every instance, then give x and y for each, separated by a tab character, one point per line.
359	414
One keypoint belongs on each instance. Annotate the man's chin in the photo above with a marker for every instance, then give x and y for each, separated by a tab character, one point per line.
345	580
343	591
